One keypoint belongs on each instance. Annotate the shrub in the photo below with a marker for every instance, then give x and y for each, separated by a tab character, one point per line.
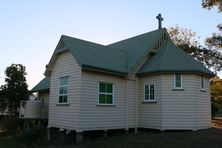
31	137
216	105
12	124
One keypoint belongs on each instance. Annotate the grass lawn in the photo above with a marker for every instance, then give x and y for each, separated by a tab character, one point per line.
150	139
7	139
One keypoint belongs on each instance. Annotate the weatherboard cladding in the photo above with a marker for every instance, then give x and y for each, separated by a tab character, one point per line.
122	56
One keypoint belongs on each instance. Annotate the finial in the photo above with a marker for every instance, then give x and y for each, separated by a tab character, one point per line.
160	19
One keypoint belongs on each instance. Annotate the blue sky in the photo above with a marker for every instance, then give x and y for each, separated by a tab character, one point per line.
30	30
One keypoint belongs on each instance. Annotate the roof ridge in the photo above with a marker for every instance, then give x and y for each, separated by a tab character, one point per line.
82	40
148	50
137	36
94	44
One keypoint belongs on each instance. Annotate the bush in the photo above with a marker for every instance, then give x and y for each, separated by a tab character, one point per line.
12	124
31	137
216	105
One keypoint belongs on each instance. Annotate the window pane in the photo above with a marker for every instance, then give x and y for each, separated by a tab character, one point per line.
64	81
147	92
63	90
178	77
109	88
152	92
151	96
202	82
60	99
102	99
178	84
178	80
104	93
102	87
109	99
65	98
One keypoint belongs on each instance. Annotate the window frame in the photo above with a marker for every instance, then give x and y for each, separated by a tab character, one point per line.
181	81
105	93
67	94
202	83
149	95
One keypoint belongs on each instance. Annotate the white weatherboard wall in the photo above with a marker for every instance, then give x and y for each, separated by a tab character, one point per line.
131	103
188	109
203	104
65	116
44	98
149	113
99	117
178	107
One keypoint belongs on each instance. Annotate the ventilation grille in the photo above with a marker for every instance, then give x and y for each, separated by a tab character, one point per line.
160	43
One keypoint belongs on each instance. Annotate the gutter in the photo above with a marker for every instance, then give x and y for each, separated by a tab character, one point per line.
102	70
173	72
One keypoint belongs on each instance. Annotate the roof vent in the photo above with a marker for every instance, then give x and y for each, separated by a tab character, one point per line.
159	44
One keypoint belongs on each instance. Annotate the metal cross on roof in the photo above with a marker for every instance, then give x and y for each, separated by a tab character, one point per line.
160	19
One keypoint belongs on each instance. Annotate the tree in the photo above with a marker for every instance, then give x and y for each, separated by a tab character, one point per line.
2	99
187	40
15	88
216	94
216	40
208	4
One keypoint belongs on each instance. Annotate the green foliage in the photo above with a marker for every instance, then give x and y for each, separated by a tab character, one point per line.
208	4
187	40
31	137
3	104
216	94
215	41
183	36
13	124
15	89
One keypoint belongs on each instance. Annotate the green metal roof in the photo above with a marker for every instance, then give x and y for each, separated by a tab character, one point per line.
170	58
122	56
118	57
94	55
137	46
43	85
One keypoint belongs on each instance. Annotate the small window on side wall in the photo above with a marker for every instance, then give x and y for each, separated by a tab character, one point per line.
105	93
202	83
63	90
178	81
149	92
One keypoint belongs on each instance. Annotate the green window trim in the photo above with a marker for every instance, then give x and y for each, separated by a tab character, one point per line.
106	91
63	89
149	92
178	81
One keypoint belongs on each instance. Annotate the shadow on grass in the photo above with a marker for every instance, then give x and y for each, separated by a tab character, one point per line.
116	139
